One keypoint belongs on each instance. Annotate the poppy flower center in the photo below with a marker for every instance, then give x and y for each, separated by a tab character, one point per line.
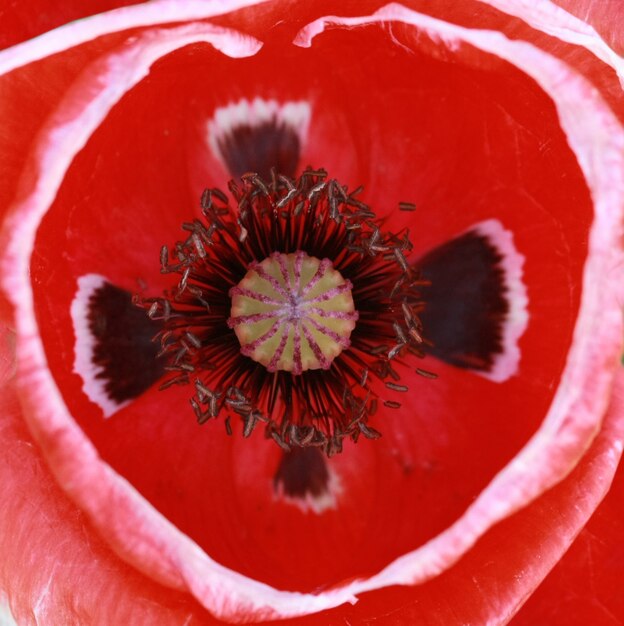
291	303
293	312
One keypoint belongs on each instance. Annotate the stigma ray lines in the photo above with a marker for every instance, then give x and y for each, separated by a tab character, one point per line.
293	312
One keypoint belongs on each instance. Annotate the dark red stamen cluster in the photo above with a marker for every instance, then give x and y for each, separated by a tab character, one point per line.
322	218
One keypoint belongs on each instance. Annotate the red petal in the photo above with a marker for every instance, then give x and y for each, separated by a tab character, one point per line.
585	586
425	447
594	26
490	583
579	428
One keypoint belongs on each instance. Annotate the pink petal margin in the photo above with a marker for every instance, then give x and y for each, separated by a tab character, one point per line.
553	20
142	536
139	15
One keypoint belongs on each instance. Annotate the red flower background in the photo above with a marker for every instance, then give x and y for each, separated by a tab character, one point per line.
57	569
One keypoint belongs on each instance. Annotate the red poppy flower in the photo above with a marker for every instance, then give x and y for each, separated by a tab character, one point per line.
464	304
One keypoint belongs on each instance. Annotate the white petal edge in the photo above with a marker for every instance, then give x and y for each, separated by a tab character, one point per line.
574	418
87	29
546	16
542	15
506	363
150	542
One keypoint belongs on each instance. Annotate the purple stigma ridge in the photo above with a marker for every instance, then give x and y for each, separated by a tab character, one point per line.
321	358
299	256
242	291
343	341
272	366
297	360
250	319
338	315
248	349
320	272
331	293
285	273
256	267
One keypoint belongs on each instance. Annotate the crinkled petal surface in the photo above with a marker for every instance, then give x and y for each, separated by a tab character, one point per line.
118	165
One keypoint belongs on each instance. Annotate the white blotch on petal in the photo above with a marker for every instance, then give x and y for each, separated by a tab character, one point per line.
506	363
295	115
93	382
325	501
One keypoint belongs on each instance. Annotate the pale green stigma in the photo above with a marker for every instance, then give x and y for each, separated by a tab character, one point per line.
293	312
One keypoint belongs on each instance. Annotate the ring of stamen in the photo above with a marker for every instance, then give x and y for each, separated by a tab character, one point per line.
293	312
287	220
